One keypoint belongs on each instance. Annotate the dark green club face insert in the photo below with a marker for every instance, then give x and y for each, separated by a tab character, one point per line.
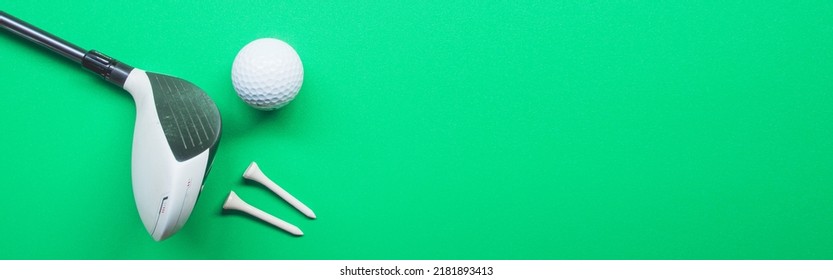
188	117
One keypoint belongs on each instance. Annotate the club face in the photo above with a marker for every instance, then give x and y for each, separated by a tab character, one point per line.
189	118
176	136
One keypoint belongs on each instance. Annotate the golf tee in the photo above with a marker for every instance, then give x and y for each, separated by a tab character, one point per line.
233	202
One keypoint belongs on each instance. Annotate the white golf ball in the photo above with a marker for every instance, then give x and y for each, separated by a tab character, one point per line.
267	73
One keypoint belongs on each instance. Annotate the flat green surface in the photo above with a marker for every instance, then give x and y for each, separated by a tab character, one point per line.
443	130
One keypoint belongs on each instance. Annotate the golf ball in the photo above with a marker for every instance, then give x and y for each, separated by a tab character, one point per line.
267	73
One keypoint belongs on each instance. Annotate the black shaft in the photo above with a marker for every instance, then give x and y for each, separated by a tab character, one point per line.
108	68
41	37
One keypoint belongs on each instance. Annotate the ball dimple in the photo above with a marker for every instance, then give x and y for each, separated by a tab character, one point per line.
267	73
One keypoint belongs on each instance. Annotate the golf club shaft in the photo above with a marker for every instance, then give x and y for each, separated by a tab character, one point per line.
103	65
43	38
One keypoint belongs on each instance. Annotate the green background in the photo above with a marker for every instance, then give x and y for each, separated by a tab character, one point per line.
443	130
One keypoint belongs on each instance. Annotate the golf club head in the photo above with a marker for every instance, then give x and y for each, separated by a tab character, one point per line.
175	138
174	141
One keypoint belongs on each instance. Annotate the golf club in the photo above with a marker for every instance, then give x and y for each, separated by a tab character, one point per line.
174	139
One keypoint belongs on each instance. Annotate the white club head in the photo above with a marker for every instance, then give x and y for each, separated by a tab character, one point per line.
253	173
233	202
174	141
